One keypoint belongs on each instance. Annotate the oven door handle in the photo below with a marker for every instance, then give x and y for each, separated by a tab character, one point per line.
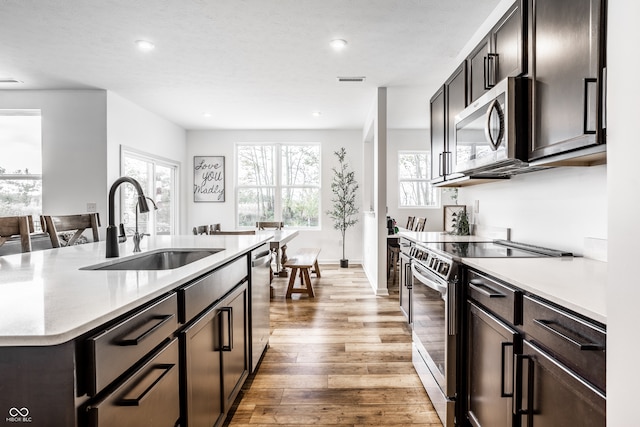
428	282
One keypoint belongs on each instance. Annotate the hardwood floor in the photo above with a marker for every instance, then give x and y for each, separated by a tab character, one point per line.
341	358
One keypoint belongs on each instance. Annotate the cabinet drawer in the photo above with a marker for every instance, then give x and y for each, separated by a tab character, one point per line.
114	350
203	292
498	298
149	397
579	344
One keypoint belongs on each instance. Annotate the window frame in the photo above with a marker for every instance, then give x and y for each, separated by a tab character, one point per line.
174	227
278	187
436	193
27	112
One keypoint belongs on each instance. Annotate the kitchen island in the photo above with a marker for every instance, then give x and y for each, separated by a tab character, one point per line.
80	346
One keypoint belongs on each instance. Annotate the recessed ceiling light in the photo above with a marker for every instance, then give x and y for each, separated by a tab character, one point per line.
207	114
338	44
145	45
316	114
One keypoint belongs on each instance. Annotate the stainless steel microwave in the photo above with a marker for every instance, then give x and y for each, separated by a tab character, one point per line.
492	134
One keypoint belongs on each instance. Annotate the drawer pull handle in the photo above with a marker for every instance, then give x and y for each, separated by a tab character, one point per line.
153	377
577	340
157	322
478	286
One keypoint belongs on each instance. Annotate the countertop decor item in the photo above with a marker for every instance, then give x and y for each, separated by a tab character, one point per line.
344	187
450	217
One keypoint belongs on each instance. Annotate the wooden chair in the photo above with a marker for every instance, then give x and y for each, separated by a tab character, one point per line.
57	224
269	225
17	226
410	220
419	224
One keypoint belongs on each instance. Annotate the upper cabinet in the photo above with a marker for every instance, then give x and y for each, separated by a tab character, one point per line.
446	103
500	54
567	63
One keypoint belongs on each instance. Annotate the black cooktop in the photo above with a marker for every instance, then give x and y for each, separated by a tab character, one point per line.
495	249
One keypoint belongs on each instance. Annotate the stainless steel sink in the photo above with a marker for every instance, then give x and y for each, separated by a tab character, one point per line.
159	260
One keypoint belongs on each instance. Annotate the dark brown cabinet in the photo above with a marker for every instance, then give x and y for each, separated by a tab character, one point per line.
446	103
438	134
215	360
490	344
529	363
500	54
548	394
567	51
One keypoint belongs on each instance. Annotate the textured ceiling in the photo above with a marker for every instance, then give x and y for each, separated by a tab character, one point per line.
253	64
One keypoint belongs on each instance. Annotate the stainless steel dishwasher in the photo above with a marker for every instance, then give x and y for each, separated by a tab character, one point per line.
260	301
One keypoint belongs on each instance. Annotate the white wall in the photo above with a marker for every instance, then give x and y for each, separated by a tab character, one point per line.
222	143
407	140
556	208
623	150
134	127
74	147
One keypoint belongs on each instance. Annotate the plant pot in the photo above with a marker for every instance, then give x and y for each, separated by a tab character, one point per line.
344	263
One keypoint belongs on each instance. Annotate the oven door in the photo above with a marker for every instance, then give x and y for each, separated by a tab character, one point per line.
434	326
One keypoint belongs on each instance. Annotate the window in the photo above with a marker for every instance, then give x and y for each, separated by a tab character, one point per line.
158	178
20	163
278	182
413	177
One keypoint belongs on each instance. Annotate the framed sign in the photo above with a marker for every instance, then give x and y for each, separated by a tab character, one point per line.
208	178
450	212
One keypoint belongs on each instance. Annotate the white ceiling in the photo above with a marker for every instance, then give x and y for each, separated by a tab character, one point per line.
253	64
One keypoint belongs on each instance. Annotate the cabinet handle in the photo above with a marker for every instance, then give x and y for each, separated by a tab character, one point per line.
503	393
528	411
155	375
577	340
590	91
229	311
490	70
407	276
157	322
491	293
440	164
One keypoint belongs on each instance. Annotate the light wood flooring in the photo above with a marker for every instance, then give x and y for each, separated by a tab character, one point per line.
341	358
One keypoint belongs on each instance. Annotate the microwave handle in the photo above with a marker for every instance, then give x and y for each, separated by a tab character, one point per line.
590	103
494	143
440	166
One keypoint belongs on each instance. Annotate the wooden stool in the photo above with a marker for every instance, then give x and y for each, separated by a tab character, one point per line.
303	260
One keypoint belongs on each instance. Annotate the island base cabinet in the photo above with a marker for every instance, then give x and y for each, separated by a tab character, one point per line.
37	386
549	395
149	397
214	350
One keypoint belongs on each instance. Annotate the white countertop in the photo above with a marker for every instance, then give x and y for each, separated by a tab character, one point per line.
578	284
45	299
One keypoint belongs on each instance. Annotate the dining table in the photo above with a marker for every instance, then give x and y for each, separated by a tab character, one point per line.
278	245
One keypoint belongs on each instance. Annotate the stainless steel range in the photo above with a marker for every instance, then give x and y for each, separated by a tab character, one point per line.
436	307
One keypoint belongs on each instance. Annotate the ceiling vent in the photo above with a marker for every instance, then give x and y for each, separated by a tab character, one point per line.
352	79
9	80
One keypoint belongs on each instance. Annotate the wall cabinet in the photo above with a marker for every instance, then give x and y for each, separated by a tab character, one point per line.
446	103
500	54
567	51
527	360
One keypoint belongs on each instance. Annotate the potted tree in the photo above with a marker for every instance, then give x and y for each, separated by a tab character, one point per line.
344	187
